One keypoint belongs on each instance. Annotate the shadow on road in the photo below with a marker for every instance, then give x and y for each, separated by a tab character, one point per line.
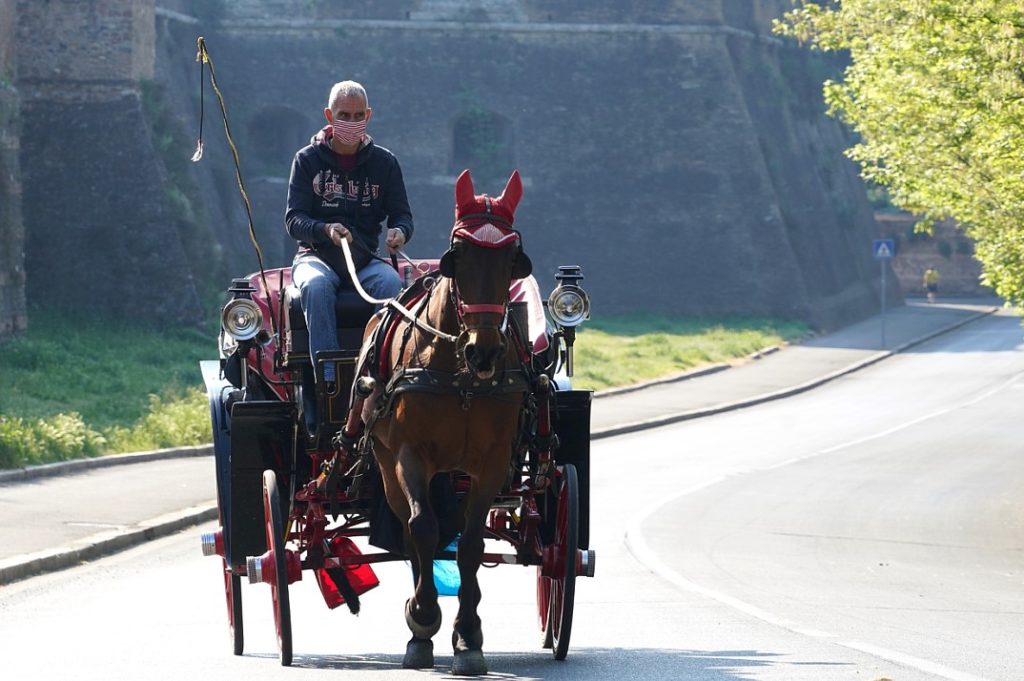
650	664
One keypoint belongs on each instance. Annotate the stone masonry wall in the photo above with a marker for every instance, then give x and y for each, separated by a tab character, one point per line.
7	15
98	230
673	148
90	42
12	272
676	151
754	15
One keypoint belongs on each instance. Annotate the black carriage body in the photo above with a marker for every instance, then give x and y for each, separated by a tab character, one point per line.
263	437
572	425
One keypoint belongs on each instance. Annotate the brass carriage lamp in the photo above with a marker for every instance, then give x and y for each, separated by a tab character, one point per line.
569	306
241	328
241	317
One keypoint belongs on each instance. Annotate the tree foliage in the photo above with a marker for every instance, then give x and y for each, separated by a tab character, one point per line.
935	91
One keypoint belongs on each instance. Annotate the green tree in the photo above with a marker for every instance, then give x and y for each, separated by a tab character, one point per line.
935	91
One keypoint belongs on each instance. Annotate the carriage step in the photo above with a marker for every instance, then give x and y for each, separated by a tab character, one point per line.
213	542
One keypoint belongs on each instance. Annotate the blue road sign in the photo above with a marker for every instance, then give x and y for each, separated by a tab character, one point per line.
883	248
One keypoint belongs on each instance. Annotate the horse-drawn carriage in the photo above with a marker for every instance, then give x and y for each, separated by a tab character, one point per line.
452	419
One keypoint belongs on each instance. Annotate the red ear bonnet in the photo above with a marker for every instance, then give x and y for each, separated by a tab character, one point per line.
465	198
483	220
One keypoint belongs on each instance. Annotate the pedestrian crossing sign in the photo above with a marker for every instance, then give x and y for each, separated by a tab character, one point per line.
883	248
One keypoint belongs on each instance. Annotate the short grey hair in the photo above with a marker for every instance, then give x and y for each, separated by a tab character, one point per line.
344	89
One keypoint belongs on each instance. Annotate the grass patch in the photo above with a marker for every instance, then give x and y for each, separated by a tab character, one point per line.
75	386
627	349
104	370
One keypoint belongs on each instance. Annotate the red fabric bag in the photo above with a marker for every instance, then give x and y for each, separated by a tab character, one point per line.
360	576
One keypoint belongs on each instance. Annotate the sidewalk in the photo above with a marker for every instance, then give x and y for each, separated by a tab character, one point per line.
59	515
792	370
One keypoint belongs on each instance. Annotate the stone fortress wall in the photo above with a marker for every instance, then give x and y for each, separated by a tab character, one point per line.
674	149
94	198
13	317
677	150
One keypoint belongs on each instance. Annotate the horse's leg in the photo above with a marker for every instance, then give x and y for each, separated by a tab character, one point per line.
422	613
468	637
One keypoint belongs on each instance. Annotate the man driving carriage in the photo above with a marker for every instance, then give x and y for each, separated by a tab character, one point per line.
343	186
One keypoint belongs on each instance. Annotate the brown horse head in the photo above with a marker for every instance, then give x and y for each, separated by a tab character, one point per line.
486	254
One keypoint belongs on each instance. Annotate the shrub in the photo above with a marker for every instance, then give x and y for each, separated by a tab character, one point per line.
65	436
15	442
61	437
171	422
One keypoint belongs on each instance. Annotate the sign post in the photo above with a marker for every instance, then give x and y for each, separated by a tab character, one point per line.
883	250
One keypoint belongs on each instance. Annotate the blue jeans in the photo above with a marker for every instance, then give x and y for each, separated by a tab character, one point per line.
318	287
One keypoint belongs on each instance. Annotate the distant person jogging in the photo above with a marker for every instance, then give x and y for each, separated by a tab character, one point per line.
931	283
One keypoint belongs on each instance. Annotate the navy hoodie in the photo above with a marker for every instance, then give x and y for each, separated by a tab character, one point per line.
319	192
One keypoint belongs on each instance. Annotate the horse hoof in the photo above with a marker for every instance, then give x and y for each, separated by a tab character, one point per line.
469	663
419	654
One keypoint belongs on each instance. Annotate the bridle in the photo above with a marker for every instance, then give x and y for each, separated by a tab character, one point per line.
475	308
483	230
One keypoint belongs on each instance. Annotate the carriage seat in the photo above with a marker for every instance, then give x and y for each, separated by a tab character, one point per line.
352	313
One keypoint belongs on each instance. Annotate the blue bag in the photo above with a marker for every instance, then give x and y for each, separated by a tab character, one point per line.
446	574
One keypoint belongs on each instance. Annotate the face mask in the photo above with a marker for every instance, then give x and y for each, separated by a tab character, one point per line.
349	132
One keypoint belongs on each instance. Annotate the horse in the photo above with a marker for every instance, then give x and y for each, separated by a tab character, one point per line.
469	425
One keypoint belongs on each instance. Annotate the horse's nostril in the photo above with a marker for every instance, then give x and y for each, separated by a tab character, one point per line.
484	356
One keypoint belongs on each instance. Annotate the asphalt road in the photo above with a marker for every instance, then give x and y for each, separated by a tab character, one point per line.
871	528
884	515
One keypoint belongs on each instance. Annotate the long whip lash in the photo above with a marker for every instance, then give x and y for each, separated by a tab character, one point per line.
203	57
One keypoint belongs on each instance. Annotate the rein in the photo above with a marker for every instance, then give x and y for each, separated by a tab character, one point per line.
463	308
390	302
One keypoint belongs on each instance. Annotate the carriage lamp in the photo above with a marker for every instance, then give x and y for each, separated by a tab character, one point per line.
241	288
241	319
569	306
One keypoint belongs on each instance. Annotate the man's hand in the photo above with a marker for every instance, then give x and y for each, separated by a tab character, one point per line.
395	240
337	233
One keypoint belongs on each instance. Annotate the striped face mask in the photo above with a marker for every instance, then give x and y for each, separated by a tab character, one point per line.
349	132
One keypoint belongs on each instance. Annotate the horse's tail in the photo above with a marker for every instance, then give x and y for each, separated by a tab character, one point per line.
345	588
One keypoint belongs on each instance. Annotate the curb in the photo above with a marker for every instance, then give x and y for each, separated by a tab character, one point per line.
106	543
675	378
79	465
785	392
103	544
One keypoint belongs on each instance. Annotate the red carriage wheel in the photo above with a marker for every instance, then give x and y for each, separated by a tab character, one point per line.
560	566
232	586
278	585
233	593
